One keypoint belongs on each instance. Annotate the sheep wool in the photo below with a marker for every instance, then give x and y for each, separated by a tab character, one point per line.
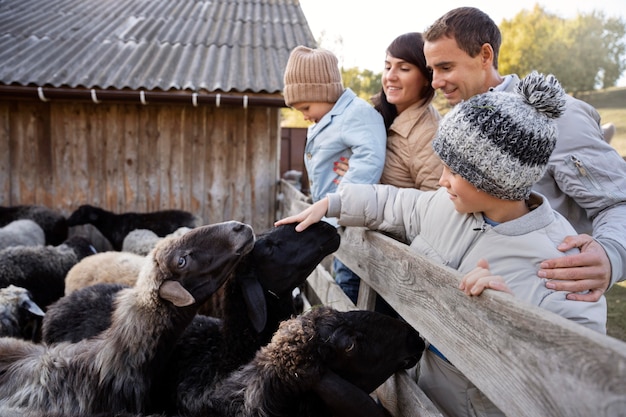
23	232
114	371
500	141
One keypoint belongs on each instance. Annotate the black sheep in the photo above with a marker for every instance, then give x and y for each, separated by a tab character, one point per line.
322	363
113	371
210	348
42	269
115	227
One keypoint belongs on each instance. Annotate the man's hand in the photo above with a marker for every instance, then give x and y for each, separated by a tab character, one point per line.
590	270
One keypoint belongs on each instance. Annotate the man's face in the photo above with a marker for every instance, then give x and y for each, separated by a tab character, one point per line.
456	74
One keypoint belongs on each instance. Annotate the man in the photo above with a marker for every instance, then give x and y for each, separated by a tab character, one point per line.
586	177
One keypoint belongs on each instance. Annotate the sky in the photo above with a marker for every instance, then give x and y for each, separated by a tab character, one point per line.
365	29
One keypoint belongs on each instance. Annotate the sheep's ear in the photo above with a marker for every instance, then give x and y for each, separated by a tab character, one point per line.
255	302
345	399
175	293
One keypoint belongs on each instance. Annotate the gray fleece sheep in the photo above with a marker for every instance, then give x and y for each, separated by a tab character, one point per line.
322	363
116	226
111	267
142	241
53	223
113	371
42	269
23	232
20	316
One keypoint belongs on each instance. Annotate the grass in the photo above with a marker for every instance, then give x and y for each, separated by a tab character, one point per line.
616	323
611	104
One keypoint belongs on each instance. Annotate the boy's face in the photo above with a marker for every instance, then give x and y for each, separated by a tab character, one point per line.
313	111
455	73
465	197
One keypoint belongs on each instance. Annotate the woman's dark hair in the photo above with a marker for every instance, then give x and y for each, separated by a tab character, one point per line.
408	47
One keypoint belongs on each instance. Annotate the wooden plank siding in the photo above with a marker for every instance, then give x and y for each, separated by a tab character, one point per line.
527	360
221	163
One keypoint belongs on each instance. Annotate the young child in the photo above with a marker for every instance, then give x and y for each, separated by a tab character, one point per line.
484	221
345	126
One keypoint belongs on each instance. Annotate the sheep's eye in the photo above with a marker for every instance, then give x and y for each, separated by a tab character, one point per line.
182	261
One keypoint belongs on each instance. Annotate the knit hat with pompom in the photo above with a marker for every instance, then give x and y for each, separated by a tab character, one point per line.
501	141
312	75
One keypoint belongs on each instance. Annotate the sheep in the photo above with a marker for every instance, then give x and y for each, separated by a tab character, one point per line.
20	316
115	227
22	232
324	362
53	223
210	347
42	269
94	235
112	266
113	371
64	322
141	241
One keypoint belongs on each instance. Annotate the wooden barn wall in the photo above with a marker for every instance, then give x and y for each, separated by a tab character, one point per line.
220	163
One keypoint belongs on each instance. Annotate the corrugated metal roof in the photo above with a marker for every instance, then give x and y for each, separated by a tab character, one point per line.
216	45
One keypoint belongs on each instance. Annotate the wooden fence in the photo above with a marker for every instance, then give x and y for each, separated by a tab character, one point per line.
527	360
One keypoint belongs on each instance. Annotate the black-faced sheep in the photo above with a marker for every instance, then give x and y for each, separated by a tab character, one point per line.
112	267
42	269
23	232
322	363
142	241
53	223
20	316
115	226
113	371
211	348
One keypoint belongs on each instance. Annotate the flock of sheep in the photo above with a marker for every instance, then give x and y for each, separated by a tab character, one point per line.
158	314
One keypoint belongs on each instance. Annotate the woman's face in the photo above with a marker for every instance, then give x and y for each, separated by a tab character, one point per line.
402	82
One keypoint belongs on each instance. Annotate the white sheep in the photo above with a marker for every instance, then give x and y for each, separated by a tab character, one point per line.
113	371
23	232
142	241
53	223
105	267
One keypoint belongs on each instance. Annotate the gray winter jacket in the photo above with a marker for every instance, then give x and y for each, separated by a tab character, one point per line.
586	179
429	222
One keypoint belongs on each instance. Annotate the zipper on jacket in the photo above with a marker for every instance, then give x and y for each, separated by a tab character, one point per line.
482	228
584	172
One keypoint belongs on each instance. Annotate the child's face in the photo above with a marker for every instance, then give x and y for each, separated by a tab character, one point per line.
313	111
465	197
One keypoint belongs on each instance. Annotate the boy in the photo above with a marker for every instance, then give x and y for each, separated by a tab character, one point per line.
345	126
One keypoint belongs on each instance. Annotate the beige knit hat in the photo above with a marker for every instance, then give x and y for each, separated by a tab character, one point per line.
312	75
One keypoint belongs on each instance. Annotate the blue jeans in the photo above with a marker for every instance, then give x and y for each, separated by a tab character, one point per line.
347	280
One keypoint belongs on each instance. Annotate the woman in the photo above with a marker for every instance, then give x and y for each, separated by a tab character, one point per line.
411	120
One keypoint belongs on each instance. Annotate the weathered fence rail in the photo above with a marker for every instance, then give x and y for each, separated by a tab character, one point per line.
528	361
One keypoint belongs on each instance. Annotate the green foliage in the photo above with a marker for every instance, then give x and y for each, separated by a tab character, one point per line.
585	53
364	83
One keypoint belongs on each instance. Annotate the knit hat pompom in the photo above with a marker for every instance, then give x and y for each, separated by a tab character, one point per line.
543	93
312	75
501	141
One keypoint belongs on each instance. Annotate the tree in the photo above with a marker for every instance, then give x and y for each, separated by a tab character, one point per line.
364	83
585	53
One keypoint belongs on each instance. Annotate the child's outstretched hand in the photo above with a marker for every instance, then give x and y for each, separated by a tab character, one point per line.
311	215
480	278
